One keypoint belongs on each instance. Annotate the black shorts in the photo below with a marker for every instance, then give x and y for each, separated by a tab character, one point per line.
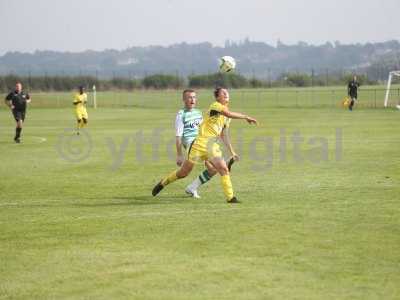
19	115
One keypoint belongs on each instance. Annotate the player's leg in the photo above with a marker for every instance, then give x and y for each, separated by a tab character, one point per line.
220	165
19	117
203	178
84	117
184	171
79	120
352	103
78	125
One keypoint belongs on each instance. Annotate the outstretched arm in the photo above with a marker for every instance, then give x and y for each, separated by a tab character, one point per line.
237	115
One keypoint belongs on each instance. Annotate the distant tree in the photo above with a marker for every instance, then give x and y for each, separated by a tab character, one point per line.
256	83
160	81
362	79
298	80
231	80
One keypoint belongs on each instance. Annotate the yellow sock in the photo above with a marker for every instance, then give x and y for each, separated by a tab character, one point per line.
169	179
227	186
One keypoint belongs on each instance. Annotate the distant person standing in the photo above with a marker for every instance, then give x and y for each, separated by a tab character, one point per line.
352	89
80	100
17	102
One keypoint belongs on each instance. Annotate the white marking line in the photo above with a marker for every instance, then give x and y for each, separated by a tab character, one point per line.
41	139
9	204
29	202
147	214
152	214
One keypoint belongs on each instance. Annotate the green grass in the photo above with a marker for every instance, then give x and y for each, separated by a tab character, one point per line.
369	96
304	230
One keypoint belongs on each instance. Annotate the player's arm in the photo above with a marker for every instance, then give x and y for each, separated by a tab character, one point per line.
8	101
225	137
77	100
28	98
226	140
236	115
178	139
179	152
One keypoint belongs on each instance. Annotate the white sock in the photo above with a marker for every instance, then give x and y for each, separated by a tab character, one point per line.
194	185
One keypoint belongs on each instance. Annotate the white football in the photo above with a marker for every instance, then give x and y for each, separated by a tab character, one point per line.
227	64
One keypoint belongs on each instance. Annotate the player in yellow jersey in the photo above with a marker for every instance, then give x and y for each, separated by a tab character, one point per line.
80	100
205	146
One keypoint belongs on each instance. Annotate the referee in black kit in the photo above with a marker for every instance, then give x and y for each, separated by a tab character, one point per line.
352	89
17	102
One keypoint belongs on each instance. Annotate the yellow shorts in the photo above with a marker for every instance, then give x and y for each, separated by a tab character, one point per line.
81	113
204	149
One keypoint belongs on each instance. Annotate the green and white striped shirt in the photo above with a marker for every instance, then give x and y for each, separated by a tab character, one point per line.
187	125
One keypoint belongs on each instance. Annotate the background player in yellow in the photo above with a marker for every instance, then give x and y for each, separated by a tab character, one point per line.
205	145
80	100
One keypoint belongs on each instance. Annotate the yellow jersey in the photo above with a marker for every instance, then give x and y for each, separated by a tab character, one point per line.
214	122
80	100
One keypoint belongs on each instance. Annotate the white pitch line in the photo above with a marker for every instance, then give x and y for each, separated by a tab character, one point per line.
148	214
152	214
9	204
41	139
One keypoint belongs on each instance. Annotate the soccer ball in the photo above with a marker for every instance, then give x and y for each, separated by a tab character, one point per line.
227	64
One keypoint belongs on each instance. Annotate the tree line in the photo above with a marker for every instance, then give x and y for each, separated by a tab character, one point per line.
165	81
254	58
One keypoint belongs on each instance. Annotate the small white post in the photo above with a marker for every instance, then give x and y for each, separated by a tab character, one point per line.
94	97
388	89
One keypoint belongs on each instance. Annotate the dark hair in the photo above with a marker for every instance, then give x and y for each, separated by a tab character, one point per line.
187	91
217	90
81	88
18	82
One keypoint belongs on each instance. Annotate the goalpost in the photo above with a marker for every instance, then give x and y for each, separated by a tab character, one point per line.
391	74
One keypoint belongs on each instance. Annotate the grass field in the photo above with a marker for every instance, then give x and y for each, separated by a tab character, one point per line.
369	96
326	226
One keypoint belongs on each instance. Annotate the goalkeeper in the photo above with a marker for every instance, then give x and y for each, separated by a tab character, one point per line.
352	89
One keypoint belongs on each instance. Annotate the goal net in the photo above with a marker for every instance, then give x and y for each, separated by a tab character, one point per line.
389	83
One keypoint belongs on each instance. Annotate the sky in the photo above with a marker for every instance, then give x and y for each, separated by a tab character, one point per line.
78	25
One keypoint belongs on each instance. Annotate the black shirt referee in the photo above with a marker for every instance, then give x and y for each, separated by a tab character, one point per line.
352	89
17	102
